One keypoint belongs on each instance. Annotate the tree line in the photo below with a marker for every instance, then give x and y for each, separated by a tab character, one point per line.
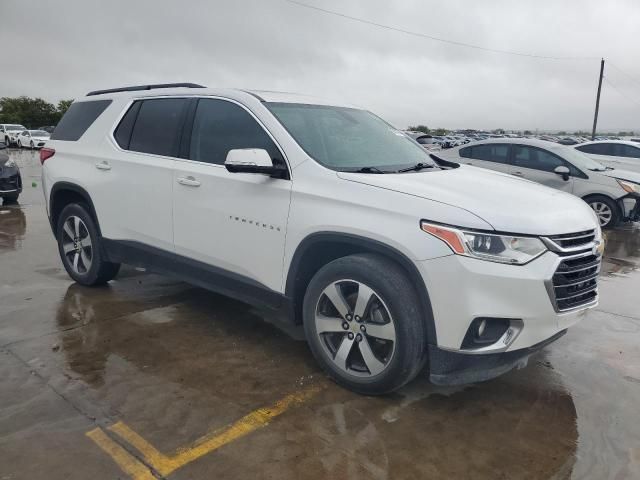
31	112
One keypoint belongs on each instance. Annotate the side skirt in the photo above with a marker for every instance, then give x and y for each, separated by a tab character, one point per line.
194	272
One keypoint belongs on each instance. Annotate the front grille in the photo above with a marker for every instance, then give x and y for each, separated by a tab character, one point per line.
575	282
569	240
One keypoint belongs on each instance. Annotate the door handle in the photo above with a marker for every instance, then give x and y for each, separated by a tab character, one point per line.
103	166
517	174
188	181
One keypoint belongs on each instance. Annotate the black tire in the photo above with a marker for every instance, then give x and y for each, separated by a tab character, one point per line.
10	198
32	145
391	285
19	144
100	270
595	200
7	142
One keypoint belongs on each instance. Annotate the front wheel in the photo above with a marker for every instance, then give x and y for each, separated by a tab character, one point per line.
606	210
80	248
19	144
363	324
31	145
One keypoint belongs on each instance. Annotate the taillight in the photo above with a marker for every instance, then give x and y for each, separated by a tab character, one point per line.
46	153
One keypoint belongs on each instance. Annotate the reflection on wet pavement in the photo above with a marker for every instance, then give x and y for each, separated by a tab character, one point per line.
176	362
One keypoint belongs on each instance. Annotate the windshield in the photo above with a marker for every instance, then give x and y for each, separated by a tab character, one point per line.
39	133
14	128
580	160
348	139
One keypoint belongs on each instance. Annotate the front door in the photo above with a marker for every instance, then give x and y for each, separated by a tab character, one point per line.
235	222
537	165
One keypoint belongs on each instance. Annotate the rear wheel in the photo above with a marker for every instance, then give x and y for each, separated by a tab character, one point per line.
80	249
363	324
606	210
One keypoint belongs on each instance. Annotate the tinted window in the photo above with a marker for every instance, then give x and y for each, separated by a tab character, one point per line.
597	148
622	150
78	118
466	152
497	153
220	126
535	158
158	126
123	132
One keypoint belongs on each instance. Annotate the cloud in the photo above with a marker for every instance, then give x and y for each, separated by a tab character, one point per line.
80	45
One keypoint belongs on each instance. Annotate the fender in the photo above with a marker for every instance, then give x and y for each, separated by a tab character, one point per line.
362	244
76	189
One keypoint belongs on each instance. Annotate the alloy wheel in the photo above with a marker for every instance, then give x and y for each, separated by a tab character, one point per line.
603	212
355	328
76	245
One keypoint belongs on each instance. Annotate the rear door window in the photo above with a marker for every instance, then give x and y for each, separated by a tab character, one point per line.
157	127
622	150
78	118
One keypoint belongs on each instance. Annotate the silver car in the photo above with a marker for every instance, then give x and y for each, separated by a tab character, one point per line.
613	194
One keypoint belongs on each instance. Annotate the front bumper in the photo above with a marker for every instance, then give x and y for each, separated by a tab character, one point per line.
10	182
630	205
451	368
462	289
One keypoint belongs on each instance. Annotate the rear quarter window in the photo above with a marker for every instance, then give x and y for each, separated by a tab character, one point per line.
78	119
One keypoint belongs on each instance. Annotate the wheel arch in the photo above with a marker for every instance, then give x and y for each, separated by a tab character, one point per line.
64	193
318	249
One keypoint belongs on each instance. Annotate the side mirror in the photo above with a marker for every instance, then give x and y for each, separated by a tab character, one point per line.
564	171
253	160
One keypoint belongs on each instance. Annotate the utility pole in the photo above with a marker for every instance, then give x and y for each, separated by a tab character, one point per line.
595	116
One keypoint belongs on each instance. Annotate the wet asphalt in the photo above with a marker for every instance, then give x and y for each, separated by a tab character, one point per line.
184	369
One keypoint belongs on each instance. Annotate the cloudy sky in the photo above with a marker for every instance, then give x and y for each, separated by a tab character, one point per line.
65	48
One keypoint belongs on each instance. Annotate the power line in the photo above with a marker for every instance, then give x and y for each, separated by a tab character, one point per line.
620	91
431	37
637	82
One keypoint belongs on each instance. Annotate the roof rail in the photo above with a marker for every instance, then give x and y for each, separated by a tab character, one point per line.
137	88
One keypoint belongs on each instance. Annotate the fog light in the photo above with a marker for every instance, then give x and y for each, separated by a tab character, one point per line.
482	327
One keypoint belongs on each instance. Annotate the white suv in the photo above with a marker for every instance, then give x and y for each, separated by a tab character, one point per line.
393	262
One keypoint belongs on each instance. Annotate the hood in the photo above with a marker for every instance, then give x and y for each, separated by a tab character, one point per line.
508	204
622	175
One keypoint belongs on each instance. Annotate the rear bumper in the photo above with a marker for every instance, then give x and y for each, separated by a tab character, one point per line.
455	368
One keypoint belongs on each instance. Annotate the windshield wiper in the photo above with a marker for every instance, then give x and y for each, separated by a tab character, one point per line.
417	167
368	170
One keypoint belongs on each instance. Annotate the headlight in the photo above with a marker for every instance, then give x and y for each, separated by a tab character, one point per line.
10	163
629	187
487	246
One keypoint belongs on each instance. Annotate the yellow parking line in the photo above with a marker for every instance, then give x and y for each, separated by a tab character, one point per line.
123	459
166	464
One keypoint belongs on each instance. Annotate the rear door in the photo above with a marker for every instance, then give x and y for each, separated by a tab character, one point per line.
538	165
235	222
134	183
492	156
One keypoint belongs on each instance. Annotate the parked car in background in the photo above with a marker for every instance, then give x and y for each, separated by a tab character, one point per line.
48	129
568	141
394	264
33	139
612	194
613	153
426	141
9	133
10	179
